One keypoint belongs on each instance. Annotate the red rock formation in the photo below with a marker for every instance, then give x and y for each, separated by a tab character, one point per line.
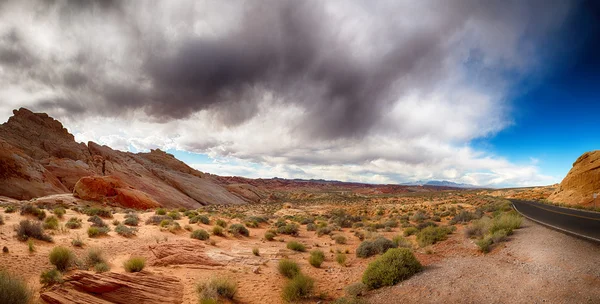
582	181
114	191
103	288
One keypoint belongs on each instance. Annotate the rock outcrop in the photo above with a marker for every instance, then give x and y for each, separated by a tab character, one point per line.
39	157
578	187
104	288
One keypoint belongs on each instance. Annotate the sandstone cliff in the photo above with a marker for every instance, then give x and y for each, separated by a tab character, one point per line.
581	182
39	157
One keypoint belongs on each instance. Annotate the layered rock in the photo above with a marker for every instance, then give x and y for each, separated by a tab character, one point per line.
582	181
104	288
39	157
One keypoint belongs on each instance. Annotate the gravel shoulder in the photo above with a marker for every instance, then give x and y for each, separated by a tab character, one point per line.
537	265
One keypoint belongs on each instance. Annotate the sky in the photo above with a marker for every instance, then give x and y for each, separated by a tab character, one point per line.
489	93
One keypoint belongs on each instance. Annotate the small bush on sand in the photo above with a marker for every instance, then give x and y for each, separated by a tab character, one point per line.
97	231
30	209
156	219
59	212
160	211
316	258
218	287
125	231
13	289
94	256
256	251
200	234
97	221
238	229
101	212
341	258
288	268
392	267
269	236
506	221
299	287
356	289
400	241
30	229
323	231
410	231
73	223
134	264
200	219
101	267
218	231
131	219
339	239
378	246
62	258
289	229
77	242
484	244
296	246
221	223
10	209
175	215
50	277
51	223
432	235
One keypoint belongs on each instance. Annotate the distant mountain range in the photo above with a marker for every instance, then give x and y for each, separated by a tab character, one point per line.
441	184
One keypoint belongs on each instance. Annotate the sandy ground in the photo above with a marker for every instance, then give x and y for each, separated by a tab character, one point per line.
538	265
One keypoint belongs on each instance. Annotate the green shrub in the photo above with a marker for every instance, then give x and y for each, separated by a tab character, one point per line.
94	256
134	264
339	239
316	258
200	219
256	251
251	224
165	223
296	246
209	292
221	223
400	241
288	268
200	234
125	231
484	244
323	231
478	228
59	212
131	219
311	227
97	221
30	229
10	209
174	215
160	211
432	235
269	236
341	258
299	287
30	209
62	258
410	231
289	229
51	223
77	242
97	231
94	211
392	267
73	223
238	229
13	289
101	267
217	230
382	244
157	219
506	221
356	289
463	217
377	246
50	277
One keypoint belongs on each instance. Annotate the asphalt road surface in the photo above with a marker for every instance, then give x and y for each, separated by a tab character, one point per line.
582	223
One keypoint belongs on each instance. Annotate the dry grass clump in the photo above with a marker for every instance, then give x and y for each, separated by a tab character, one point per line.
296	246
378	246
62	258
216	288
288	268
200	234
73	223
299	287
13	289
316	258
238	229
135	264
30	229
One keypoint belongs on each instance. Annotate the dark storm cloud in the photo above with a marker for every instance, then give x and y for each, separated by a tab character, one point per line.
292	50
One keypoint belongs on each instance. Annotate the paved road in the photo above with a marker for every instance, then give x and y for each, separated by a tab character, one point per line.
583	223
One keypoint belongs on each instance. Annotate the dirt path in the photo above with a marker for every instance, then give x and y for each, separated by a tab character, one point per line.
538	265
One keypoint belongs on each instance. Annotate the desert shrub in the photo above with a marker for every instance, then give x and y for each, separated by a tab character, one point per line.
59	212
311	227
390	224
30	245
299	287
356	289
251	224
200	219
221	223
339	239
50	277
51	223
174	215
134	264
426	224
288	268
238	229
289	229
382	244
101	212
463	217
360	235
376	246
316	258
419	216
166	223
392	267
125	231
13	289
478	228
30	229
116	222
484	244
258	219
131	219
101	267
256	251
73	223
97	221
94	256
30	209
157	219
209	292
341	258
432	235
97	231
269	236
499	236
4	249
160	211
436	218
1	220
188	228
506	221
400	241
410	231
296	246
200	234
217	230
61	257
10	209
77	242
323	231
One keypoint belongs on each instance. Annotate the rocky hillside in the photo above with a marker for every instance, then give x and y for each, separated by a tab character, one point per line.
39	157
581	182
